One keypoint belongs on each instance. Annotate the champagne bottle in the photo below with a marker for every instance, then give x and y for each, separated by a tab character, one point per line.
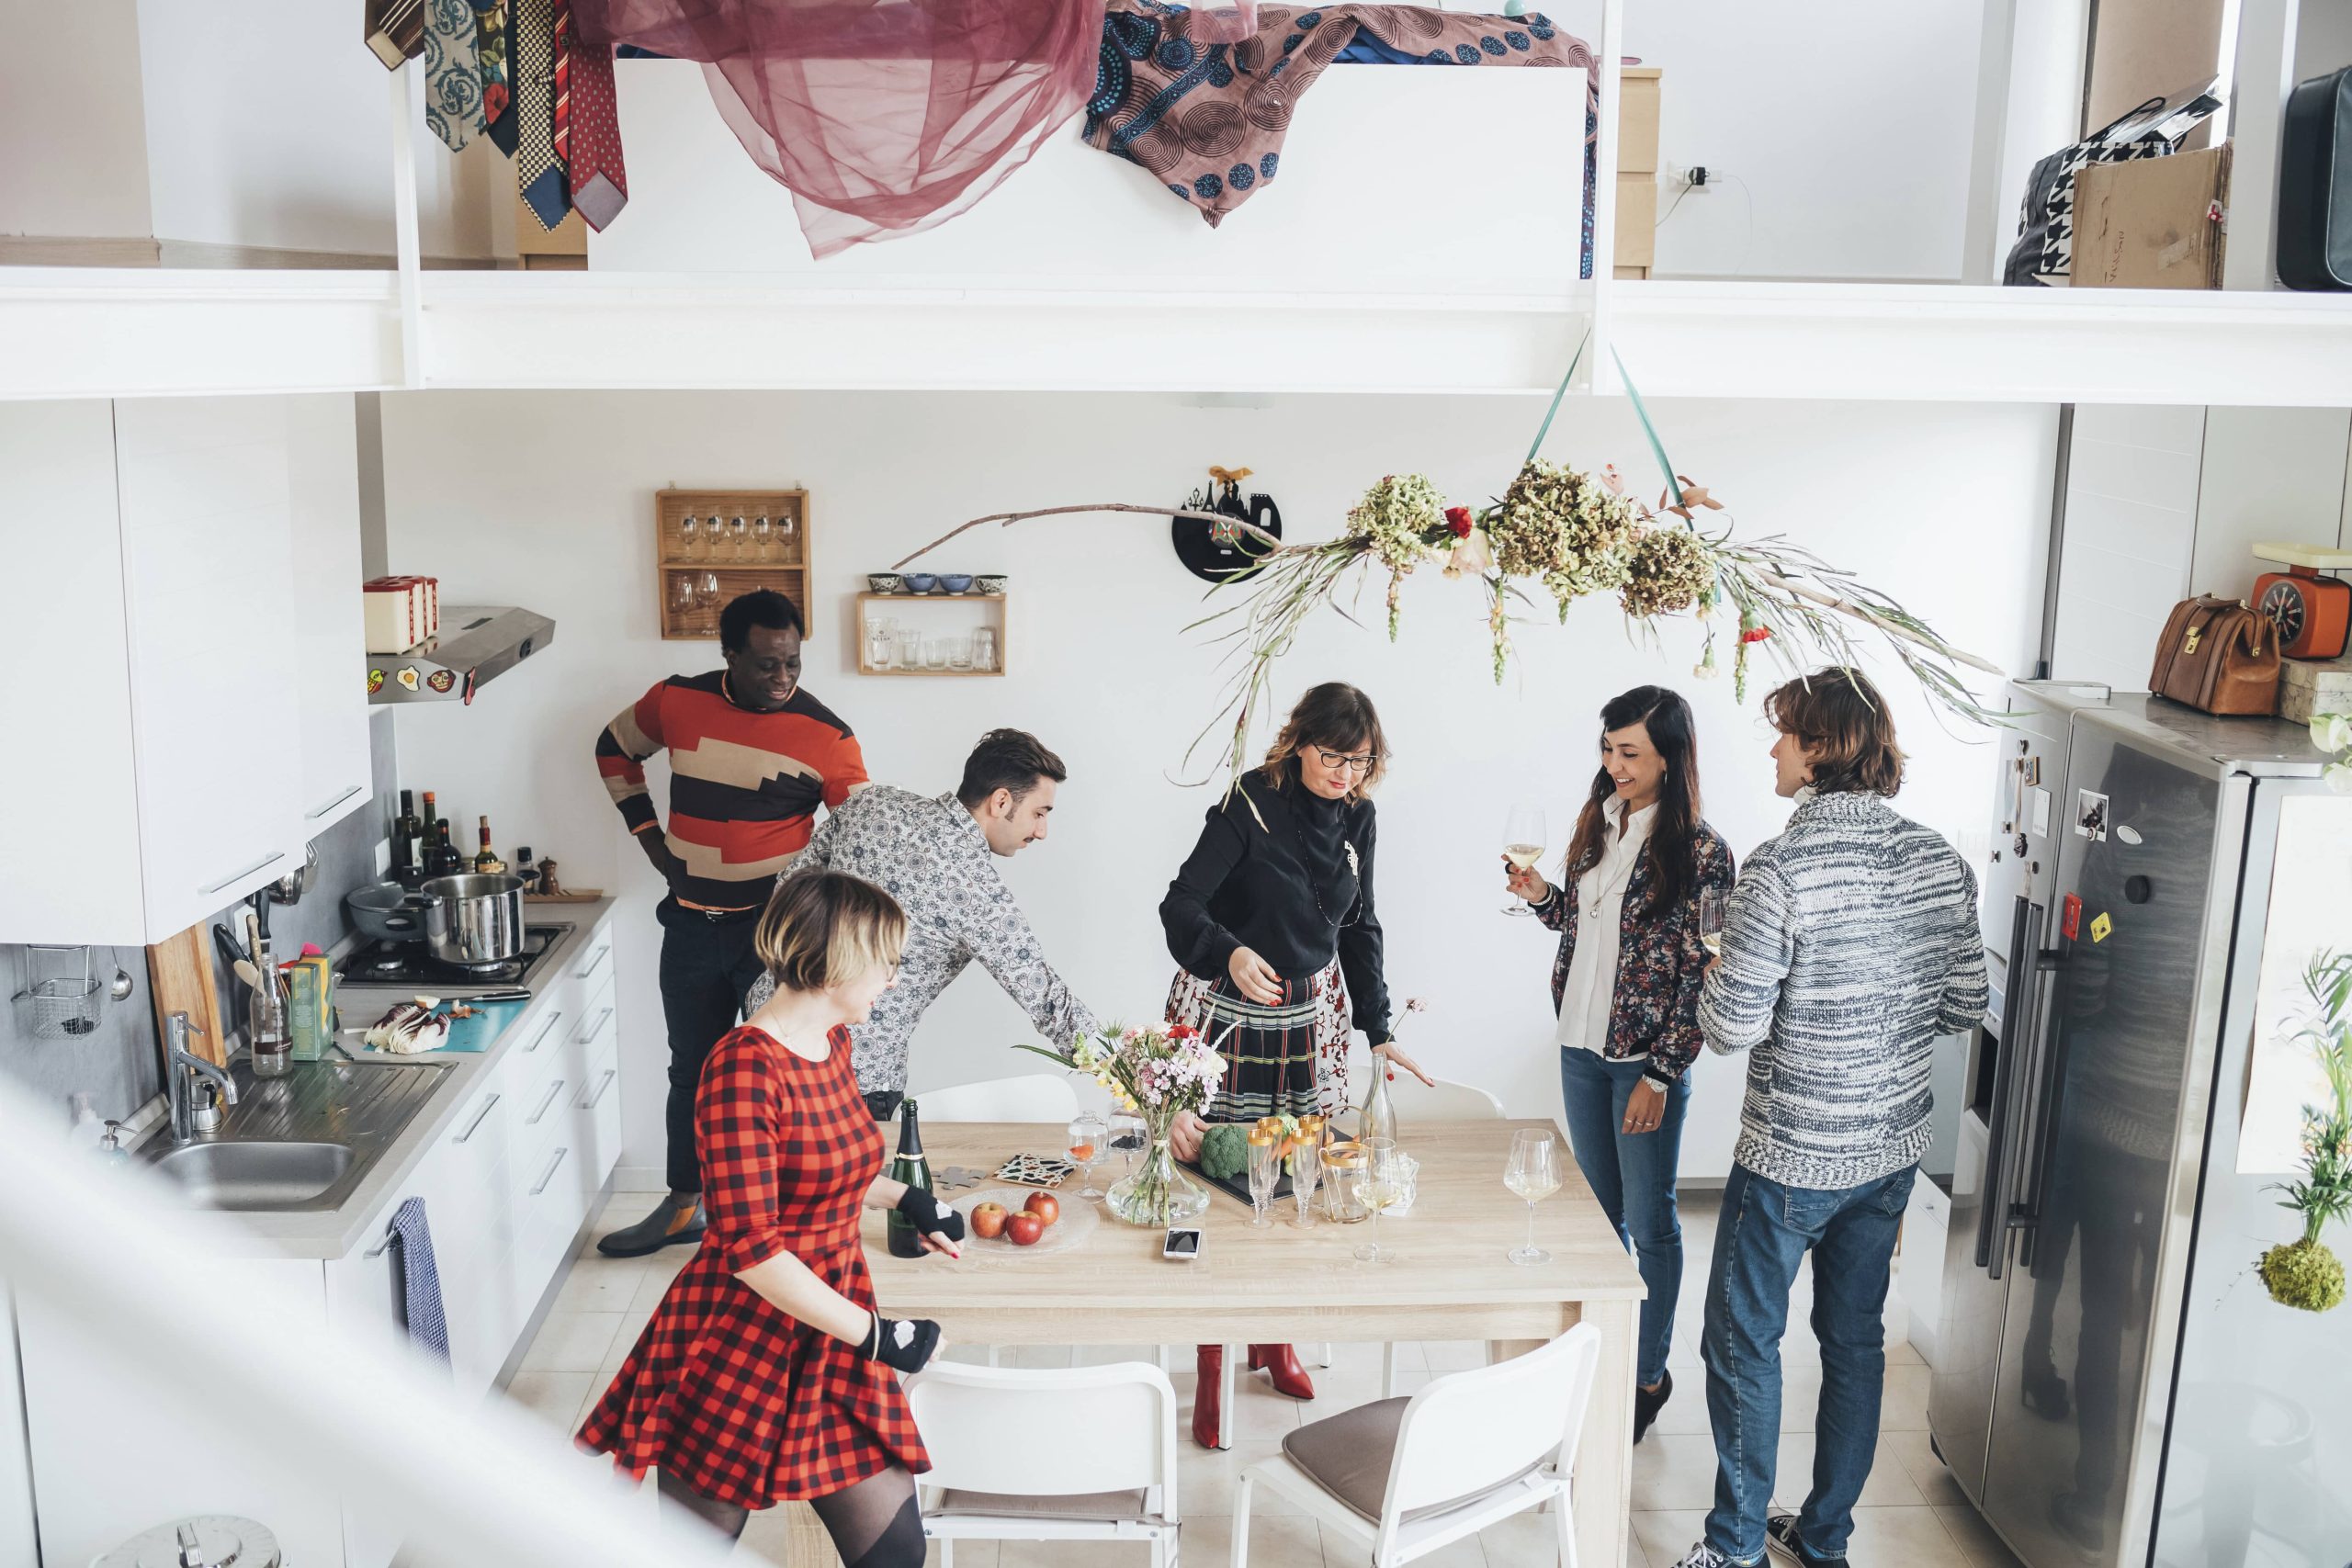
915	1171
487	862
406	829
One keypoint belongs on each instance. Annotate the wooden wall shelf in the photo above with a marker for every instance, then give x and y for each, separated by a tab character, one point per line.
994	617
739	563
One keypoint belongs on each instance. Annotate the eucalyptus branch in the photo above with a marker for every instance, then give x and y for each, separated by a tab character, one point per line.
1006	519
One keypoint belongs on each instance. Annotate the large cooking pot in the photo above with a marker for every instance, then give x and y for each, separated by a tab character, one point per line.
473	919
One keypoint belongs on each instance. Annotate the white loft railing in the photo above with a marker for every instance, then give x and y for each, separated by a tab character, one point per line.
483	1484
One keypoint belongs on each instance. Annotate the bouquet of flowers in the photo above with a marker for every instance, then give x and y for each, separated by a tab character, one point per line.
1157	1074
2306	1272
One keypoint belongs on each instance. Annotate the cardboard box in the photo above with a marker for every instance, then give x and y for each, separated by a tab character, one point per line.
2153	223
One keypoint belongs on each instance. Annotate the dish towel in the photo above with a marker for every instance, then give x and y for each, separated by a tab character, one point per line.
421	1311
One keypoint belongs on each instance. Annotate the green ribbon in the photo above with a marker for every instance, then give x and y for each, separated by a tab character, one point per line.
1641	411
1546	428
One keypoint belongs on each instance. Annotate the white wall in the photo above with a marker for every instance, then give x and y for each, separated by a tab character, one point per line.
72	139
546	500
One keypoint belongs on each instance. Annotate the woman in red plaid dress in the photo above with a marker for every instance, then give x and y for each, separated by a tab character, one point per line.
766	1374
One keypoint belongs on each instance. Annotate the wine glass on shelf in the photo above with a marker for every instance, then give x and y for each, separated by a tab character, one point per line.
1266	1172
739	533
1522	845
689	538
1378	1189
1087	1136
1533	1173
762	537
1711	920
683	599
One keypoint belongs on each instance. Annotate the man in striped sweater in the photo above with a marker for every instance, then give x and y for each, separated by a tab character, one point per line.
751	758
1851	946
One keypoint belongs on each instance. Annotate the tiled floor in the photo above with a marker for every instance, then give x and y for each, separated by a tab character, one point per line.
1912	1512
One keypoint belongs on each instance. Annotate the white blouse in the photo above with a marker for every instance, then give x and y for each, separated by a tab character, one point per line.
1586	999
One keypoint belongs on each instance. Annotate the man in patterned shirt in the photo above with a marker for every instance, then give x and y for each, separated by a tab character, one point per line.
936	858
751	758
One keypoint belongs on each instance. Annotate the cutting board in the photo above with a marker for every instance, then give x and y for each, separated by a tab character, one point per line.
466	1035
179	979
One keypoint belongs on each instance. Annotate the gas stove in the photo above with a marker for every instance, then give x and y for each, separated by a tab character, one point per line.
405	963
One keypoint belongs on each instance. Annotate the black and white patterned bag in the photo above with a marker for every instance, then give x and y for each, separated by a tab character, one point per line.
2045	253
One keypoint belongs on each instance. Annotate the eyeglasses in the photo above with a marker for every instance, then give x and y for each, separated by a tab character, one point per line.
1335	761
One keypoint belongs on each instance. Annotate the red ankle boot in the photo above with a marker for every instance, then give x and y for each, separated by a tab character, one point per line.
1290	1378
1208	1392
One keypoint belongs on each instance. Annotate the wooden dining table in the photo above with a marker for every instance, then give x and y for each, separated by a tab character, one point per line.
1449	1278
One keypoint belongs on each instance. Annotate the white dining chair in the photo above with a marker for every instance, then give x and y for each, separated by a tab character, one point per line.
1048	1453
1030	1097
1403	1477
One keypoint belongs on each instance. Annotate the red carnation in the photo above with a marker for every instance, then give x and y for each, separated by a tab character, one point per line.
1458	519
1179	1031
1756	634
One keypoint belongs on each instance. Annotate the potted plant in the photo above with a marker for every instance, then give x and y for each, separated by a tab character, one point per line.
1159	1074
2305	1272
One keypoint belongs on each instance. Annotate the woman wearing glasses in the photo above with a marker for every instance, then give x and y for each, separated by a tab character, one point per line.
1271	922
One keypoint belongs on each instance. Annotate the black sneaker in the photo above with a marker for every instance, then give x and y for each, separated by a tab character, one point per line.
1780	1541
1647	1404
671	1222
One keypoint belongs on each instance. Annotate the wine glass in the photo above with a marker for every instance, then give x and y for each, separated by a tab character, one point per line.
1376	1190
762	537
707	590
1129	1135
684	601
1265	1171
1522	845
1533	1173
689	536
1087	1132
738	532
1711	920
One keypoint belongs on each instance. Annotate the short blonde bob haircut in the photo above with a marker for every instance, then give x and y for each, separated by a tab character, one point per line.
826	929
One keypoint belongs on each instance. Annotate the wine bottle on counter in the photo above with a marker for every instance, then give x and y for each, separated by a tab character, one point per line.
406	830
911	1168
442	859
487	861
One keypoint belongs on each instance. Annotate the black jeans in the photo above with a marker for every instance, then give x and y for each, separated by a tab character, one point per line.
707	970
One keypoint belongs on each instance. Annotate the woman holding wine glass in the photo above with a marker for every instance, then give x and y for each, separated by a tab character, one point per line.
1626	985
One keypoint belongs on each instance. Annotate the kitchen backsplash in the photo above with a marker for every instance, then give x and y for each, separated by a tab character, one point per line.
119	1065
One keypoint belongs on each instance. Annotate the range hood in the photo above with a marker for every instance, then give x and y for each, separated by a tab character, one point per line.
476	644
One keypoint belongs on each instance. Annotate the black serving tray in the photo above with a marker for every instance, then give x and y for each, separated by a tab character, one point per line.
1236	1186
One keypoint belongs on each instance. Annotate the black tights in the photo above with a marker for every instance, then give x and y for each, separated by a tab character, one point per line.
875	1523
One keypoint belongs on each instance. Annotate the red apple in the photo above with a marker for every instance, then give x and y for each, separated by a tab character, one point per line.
987	1220
1045	1205
1024	1228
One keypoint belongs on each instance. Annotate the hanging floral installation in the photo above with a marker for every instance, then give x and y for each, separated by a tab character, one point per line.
1558	534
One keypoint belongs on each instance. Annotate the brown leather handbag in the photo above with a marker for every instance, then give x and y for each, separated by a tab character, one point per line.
2219	656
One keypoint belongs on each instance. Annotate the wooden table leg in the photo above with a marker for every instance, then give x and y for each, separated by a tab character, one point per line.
1603	1493
805	1543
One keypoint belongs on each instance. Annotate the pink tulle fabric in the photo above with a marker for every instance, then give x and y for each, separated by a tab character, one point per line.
881	117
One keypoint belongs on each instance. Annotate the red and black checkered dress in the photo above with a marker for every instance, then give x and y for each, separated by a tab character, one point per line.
723	1391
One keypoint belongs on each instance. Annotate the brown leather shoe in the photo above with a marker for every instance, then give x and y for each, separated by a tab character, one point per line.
1208	1390
677	1219
1290	1378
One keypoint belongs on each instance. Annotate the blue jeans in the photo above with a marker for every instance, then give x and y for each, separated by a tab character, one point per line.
1633	1176
1761	1241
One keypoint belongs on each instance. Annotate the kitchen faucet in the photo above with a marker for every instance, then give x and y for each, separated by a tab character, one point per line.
181	1069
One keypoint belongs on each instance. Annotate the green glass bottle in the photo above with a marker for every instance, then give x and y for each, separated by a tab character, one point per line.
911	1168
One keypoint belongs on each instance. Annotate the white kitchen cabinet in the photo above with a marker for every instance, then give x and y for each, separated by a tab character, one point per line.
329	642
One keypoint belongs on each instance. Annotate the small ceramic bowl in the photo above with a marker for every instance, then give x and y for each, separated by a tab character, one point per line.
989	584
920	582
956	582
885	582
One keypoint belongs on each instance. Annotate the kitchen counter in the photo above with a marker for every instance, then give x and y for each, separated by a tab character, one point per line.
329	1234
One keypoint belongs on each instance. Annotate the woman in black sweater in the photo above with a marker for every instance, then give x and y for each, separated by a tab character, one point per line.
1272	922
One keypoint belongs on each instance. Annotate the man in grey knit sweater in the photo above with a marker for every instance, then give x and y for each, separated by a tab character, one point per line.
1849	946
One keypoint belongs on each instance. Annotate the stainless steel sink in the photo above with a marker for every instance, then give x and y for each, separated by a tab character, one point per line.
304	1140
255	1176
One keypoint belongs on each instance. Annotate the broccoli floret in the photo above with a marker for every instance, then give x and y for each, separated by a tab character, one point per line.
1225	1152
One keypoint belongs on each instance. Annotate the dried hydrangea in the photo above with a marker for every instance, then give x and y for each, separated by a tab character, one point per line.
1398	516
1669	569
1565	527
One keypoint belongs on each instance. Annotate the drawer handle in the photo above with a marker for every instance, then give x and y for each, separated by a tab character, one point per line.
594	1029
480	1117
330	806
598	1098
243	871
594	962
553	1090
545	1030
550	1175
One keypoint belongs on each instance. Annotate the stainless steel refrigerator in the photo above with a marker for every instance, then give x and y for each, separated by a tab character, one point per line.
2113	1384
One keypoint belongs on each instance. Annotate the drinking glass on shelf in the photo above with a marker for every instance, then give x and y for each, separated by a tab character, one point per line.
739	533
984	650
1266	1172
935	653
881	640
1130	1134
683	599
1377	1190
707	590
910	648
1087	1136
1522	845
1710	919
762	537
959	653
689	538
1533	1173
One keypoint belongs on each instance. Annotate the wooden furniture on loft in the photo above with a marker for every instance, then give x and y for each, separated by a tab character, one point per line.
1636	246
996	618
740	565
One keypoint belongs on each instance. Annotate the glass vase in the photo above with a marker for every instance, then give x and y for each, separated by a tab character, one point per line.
1156	1192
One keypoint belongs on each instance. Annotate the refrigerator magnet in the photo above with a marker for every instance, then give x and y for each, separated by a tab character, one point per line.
2102	924
2090	816
2070	918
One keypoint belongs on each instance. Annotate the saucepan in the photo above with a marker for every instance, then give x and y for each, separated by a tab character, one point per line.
388	911
473	919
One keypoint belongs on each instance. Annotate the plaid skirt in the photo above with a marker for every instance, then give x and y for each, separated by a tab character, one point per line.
1287	1059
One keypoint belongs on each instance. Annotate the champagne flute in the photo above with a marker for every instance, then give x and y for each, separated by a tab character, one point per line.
1265	1171
1533	1173
1376	1190
1522	845
1711	920
1305	1171
1087	1136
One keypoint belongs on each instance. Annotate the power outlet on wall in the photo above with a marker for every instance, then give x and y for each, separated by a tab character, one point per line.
1696	177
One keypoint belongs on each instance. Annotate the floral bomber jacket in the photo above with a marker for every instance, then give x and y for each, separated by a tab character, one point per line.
1653	1008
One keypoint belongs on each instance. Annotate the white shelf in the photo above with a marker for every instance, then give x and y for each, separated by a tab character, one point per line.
76	332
